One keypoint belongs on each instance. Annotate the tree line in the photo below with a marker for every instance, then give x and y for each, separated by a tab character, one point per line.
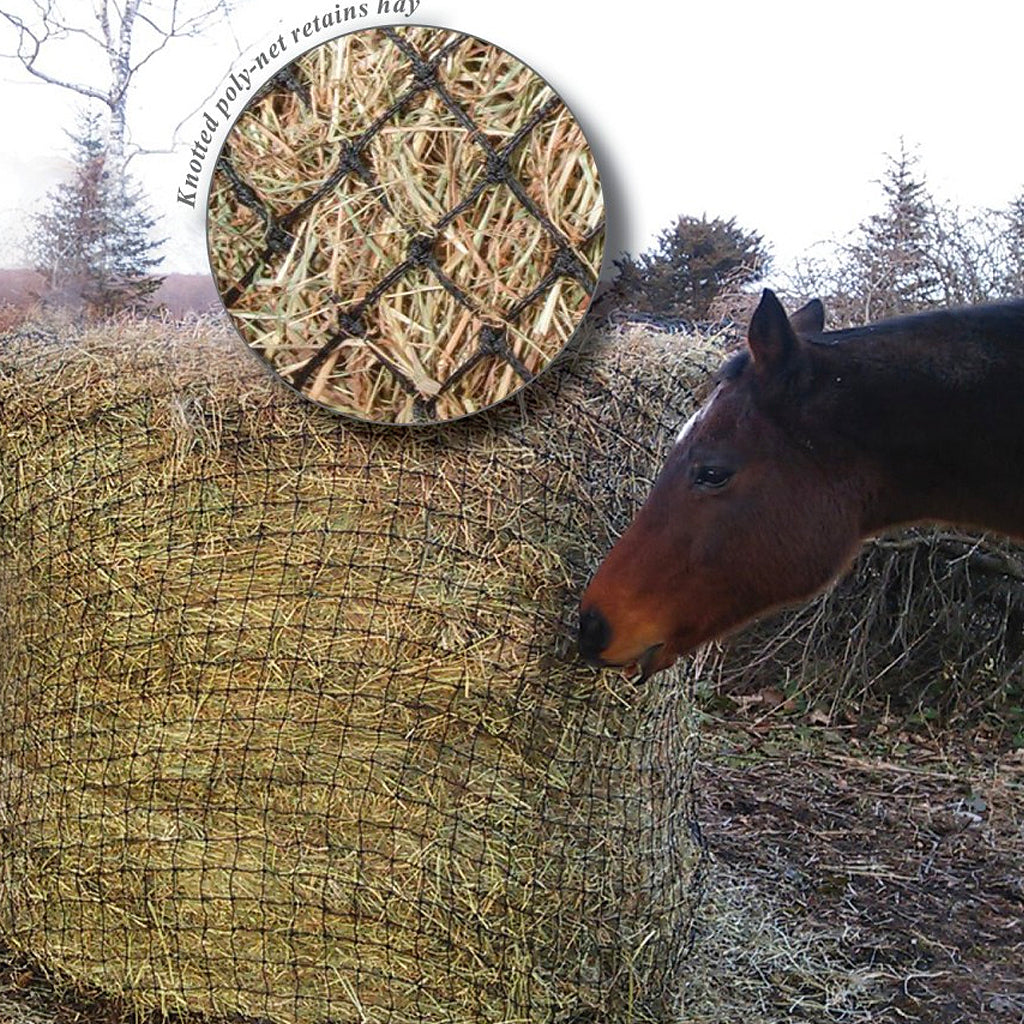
93	242
93	238
915	253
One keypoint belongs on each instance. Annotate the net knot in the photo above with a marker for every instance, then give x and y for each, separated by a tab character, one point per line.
348	160
498	169
567	264
492	340
421	249
278	239
424	75
350	326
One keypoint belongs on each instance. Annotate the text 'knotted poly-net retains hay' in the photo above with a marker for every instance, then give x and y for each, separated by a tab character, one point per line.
291	726
406	224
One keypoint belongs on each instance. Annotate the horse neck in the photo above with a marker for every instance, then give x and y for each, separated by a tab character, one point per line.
932	409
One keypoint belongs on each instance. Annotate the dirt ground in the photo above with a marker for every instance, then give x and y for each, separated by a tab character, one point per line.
887	864
858	873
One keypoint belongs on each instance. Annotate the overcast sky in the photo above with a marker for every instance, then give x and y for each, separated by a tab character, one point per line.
777	113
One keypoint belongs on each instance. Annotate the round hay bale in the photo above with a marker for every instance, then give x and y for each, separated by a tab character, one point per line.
292	725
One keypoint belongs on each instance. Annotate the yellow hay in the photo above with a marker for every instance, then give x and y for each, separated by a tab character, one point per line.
290	722
417	174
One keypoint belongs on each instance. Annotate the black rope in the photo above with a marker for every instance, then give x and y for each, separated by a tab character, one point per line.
350	159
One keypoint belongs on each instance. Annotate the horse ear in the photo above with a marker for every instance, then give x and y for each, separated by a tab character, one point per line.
809	319
770	337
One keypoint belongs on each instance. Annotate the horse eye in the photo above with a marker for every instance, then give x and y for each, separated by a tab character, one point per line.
711	477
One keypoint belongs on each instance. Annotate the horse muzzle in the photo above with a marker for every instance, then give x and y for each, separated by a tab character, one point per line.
595	636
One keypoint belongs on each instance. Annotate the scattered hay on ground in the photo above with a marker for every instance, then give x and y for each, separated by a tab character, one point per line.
889	866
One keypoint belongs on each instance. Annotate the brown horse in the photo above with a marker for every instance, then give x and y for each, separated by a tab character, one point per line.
809	443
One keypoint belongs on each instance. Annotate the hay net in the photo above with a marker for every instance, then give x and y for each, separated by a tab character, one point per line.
406	224
291	727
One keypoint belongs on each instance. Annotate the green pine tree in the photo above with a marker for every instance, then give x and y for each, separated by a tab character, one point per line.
92	240
891	260
692	262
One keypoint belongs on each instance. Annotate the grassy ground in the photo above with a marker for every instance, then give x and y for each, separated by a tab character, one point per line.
862	871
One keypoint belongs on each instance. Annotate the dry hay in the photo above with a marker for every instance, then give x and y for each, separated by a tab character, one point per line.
292	726
928	622
422	230
756	961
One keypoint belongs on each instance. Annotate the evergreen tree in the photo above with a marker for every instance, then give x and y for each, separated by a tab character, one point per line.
916	254
689	266
890	262
92	240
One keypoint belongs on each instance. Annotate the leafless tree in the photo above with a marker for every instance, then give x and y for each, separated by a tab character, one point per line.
123	35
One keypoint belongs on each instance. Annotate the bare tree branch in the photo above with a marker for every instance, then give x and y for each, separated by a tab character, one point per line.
126	37
30	45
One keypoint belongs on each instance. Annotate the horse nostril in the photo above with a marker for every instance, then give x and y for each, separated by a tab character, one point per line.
594	634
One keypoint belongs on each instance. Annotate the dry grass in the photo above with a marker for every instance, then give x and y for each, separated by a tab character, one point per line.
418	175
292	727
928	621
853	880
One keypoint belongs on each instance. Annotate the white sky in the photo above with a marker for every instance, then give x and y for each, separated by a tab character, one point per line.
778	113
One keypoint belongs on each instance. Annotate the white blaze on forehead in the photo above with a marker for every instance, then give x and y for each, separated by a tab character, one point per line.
696	418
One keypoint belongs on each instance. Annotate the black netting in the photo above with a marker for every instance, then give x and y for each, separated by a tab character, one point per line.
350	159
292	725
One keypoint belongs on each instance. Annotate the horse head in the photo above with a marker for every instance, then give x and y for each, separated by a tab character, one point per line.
756	507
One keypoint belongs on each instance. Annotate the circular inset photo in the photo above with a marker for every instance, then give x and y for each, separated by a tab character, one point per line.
406	224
